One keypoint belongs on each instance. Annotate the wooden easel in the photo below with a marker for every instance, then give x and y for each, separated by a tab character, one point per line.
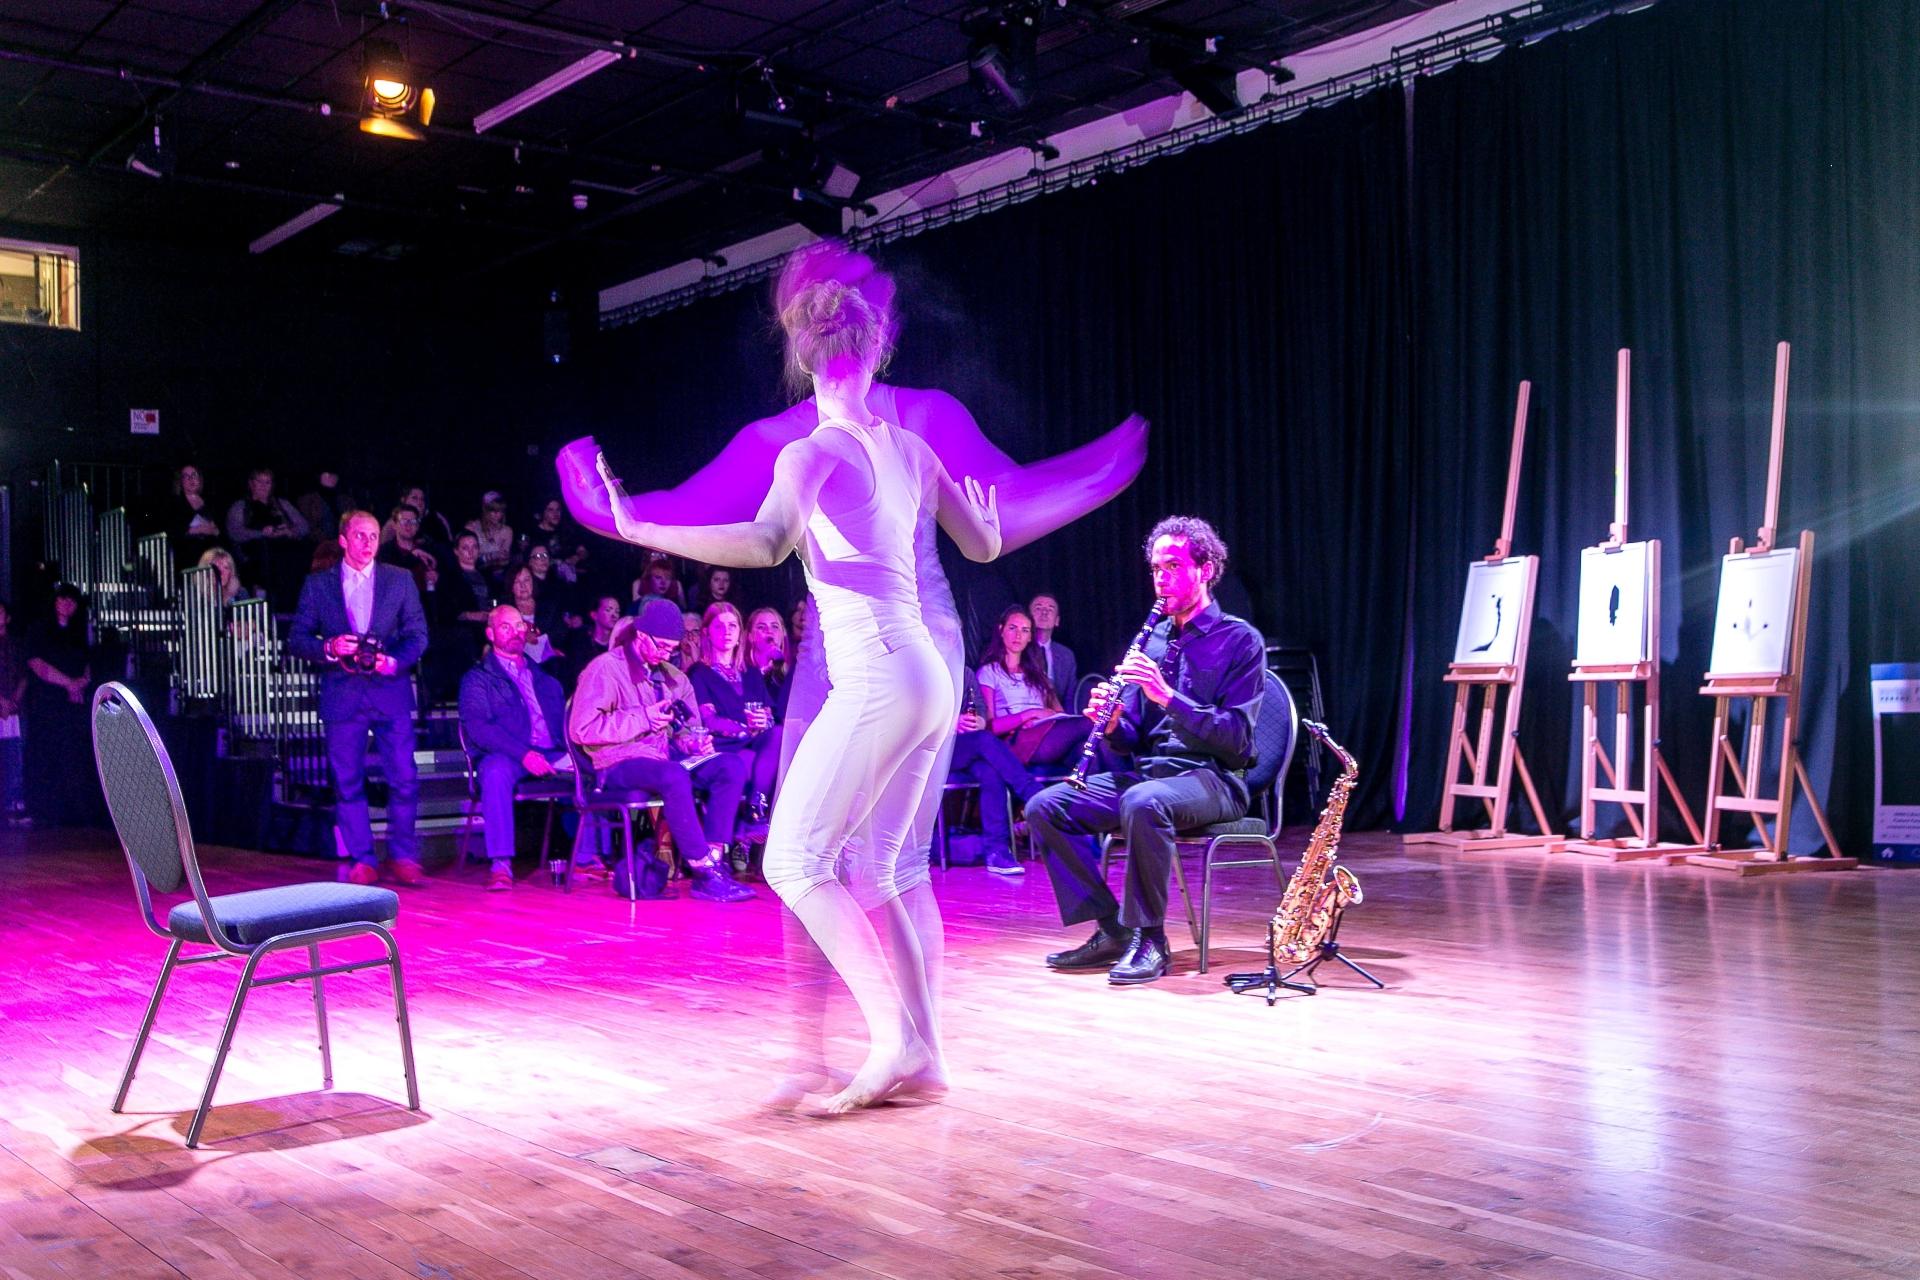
1639	800
1760	692
1490	680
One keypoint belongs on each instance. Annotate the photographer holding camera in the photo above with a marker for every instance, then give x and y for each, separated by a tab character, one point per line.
365	622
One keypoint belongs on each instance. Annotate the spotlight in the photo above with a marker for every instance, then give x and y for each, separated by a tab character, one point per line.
391	104
153	159
1212	82
1001	59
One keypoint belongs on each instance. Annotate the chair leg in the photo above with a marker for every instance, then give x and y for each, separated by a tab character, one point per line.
466	831
1186	900
320	1017
146	1026
1206	906
633	881
400	1017
546	835
220	1054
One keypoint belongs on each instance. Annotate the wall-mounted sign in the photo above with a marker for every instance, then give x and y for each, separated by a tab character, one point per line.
144	422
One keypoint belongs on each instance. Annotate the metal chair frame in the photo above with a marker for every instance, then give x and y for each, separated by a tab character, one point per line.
552	801
588	799
1266	806
225	947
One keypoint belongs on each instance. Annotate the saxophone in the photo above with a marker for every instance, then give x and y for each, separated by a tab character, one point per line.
1318	891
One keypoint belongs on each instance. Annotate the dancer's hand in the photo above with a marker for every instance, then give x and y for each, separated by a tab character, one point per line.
985	502
580	484
628	527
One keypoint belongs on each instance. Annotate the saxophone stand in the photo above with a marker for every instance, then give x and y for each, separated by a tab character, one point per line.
1270	982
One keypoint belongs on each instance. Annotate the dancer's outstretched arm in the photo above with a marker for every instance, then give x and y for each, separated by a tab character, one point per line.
759	543
1034	500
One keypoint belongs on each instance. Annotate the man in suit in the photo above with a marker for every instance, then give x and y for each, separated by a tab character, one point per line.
1061	667
515	718
339	609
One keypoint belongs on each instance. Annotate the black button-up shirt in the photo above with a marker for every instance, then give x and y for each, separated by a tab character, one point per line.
1217	667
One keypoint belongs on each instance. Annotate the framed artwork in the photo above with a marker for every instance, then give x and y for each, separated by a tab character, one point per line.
1490	618
1753	625
1613	607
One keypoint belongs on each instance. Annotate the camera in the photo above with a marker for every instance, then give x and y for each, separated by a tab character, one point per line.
364	659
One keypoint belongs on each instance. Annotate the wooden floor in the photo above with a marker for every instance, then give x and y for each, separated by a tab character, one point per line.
1577	1070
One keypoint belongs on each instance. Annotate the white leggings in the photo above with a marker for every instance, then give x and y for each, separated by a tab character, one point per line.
861	774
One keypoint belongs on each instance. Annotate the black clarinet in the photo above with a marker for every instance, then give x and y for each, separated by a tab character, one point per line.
1090	750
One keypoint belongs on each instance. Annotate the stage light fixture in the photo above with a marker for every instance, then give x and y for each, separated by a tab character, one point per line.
553	84
1212	82
1002	57
294	226
152	158
392	105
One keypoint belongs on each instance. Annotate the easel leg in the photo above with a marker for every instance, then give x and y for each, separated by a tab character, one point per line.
1456	740
1711	836
1589	757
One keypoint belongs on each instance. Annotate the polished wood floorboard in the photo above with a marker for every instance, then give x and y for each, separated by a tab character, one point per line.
1578	1070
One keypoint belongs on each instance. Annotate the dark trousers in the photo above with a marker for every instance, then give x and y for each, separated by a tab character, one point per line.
983	759
499	775
1147	812
347	750
723	778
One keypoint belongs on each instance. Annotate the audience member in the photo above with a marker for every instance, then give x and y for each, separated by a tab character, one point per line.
265	529
556	532
716	587
734	702
514	716
636	717
232	589
1014	689
983	759
323	505
343	615
590	643
13	693
657	579
461	600
60	781
496	536
522	596
435	532
691	629
188	517
799	622
1056	660
770	652
400	547
554	594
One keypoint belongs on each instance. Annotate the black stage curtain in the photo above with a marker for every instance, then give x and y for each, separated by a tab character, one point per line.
1326	321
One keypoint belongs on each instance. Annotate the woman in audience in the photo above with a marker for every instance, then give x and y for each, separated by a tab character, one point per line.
522	596
188	518
658	579
13	692
770	652
457	618
269	536
232	589
735	703
1014	687
60	660
495	534
715	587
555	594
692	627
561	538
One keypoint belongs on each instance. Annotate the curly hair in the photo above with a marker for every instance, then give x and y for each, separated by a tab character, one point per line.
1203	544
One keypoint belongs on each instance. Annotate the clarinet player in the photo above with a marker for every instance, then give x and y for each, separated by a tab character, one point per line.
1182	705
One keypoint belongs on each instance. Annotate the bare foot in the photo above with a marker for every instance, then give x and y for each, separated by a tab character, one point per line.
884	1075
790	1090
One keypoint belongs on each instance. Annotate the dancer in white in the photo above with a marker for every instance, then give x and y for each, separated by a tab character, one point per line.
850	498
1034	500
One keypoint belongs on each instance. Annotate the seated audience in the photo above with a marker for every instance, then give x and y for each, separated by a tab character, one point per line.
635	716
515	717
561	537
265	530
61	786
460	602
1061	667
554	593
692	628
1014	690
189	518
716	587
435	532
591	642
323	505
522	596
13	693
734	702
400	547
770	652
495	534
657	579
232	590
983	759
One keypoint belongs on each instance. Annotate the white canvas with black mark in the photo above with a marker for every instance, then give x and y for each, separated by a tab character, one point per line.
1490	618
1753	625
1613	607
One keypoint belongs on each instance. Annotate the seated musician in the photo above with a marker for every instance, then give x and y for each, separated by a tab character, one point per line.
1186	705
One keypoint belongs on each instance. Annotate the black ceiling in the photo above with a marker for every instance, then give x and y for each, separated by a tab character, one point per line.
654	143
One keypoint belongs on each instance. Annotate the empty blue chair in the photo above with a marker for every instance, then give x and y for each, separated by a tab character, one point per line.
143	795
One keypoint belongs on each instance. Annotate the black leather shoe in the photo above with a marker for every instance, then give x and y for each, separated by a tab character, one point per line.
1097	952
1146	960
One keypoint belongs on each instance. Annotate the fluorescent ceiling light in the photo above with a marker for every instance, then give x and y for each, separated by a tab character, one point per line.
294	226
545	89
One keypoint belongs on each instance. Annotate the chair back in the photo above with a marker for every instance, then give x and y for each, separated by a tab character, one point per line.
473	764
1083	690
1275	735
585	780
143	797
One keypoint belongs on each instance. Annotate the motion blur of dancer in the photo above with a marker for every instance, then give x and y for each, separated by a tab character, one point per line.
849	498
1034	500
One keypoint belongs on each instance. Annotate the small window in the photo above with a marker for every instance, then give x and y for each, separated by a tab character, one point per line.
39	284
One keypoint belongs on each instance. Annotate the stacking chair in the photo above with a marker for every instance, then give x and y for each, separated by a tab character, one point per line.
553	791
591	798
1275	735
143	795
